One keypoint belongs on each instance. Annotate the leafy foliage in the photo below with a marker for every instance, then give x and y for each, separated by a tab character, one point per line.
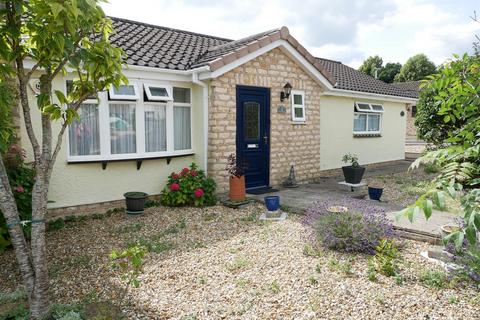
389	71
371	64
385	259
457	103
416	68
351	158
129	264
189	187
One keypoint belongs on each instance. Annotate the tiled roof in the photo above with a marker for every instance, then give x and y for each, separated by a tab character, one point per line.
412	87
347	78
160	47
166	48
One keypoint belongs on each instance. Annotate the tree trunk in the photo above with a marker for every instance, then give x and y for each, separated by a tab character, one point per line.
9	208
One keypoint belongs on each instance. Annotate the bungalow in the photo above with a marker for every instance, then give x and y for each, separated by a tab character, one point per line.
412	88
199	98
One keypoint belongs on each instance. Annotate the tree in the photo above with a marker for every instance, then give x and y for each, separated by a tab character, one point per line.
416	68
389	71
55	35
454	95
371	65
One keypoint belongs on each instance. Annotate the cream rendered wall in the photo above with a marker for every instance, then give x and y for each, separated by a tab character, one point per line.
87	183
336	133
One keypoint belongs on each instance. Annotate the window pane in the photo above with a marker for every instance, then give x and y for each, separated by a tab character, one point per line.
377	107
181	95
122	128
298	112
83	133
155	128
181	128
158	92
252	120
373	122
363	106
297	99
124	90
360	122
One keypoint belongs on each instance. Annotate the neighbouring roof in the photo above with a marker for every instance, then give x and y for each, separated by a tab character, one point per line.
167	48
412	87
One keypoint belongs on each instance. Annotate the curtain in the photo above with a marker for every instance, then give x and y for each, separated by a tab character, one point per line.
373	122
181	128
83	133
360	122
155	128
122	128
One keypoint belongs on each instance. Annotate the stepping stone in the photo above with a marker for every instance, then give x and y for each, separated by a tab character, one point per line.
273	216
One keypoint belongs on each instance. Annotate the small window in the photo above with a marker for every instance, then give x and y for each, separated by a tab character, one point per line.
298	106
181	95
367	107
414	111
156	92
124	92
366	123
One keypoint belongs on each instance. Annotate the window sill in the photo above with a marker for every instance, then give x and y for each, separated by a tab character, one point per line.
367	135
138	160
298	122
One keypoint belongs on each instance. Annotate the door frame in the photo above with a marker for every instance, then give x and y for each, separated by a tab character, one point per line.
239	123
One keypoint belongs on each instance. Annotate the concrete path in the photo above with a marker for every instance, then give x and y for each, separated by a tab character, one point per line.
327	189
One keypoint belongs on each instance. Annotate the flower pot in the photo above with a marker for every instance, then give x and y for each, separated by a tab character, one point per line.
135	202
272	203
353	175
237	188
448	229
375	192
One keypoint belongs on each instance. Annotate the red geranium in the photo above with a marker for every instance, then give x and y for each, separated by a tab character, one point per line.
184	171
174	187
198	193
19	189
194	173
175	176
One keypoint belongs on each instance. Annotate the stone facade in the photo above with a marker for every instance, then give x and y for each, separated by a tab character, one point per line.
290	143
411	129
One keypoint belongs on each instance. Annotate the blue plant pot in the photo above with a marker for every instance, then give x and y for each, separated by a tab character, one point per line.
272	203
375	193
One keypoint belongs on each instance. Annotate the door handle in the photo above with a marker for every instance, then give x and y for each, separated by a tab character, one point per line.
265	139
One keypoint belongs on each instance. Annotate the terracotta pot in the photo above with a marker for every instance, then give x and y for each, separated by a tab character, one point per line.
237	188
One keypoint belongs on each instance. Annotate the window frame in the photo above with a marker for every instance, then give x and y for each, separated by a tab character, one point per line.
370	107
298	106
368	115
103	103
120	97
152	98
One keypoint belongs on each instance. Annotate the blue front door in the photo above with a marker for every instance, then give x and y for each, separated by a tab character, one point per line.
253	134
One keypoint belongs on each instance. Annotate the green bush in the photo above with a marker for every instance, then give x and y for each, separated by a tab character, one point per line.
22	178
385	258
189	187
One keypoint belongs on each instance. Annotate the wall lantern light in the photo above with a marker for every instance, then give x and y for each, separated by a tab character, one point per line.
285	94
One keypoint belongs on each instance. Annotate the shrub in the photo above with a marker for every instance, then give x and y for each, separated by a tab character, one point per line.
22	178
189	187
433	279
385	258
358	230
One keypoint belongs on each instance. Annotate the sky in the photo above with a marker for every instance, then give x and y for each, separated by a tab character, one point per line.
347	31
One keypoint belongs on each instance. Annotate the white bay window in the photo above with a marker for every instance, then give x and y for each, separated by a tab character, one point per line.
134	121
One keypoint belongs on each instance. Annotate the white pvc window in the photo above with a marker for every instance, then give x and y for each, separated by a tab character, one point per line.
158	92
124	92
368	107
298	106
123	128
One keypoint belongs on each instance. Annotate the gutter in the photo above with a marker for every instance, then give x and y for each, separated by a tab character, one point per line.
204	86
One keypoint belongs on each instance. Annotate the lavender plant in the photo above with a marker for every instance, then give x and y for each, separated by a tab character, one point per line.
359	230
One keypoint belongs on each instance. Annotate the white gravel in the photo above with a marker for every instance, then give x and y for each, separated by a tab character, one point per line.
225	266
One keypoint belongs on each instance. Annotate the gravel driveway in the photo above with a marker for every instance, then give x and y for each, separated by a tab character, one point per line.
220	263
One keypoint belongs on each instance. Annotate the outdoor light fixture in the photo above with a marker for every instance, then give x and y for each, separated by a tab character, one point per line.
287	88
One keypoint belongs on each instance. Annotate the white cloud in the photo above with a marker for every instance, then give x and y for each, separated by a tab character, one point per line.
343	30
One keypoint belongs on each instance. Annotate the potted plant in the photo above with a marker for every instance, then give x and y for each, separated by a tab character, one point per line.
375	191
237	179
135	201
272	203
354	172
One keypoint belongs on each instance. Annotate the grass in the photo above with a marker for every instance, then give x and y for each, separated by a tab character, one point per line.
252	217
310	251
312	280
238	263
275	287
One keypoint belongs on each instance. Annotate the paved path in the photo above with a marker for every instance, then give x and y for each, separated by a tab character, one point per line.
327	189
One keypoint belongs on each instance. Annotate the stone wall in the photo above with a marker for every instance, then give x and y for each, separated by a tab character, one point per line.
297	144
411	129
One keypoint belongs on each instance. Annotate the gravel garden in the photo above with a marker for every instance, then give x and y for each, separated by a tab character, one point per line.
217	262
